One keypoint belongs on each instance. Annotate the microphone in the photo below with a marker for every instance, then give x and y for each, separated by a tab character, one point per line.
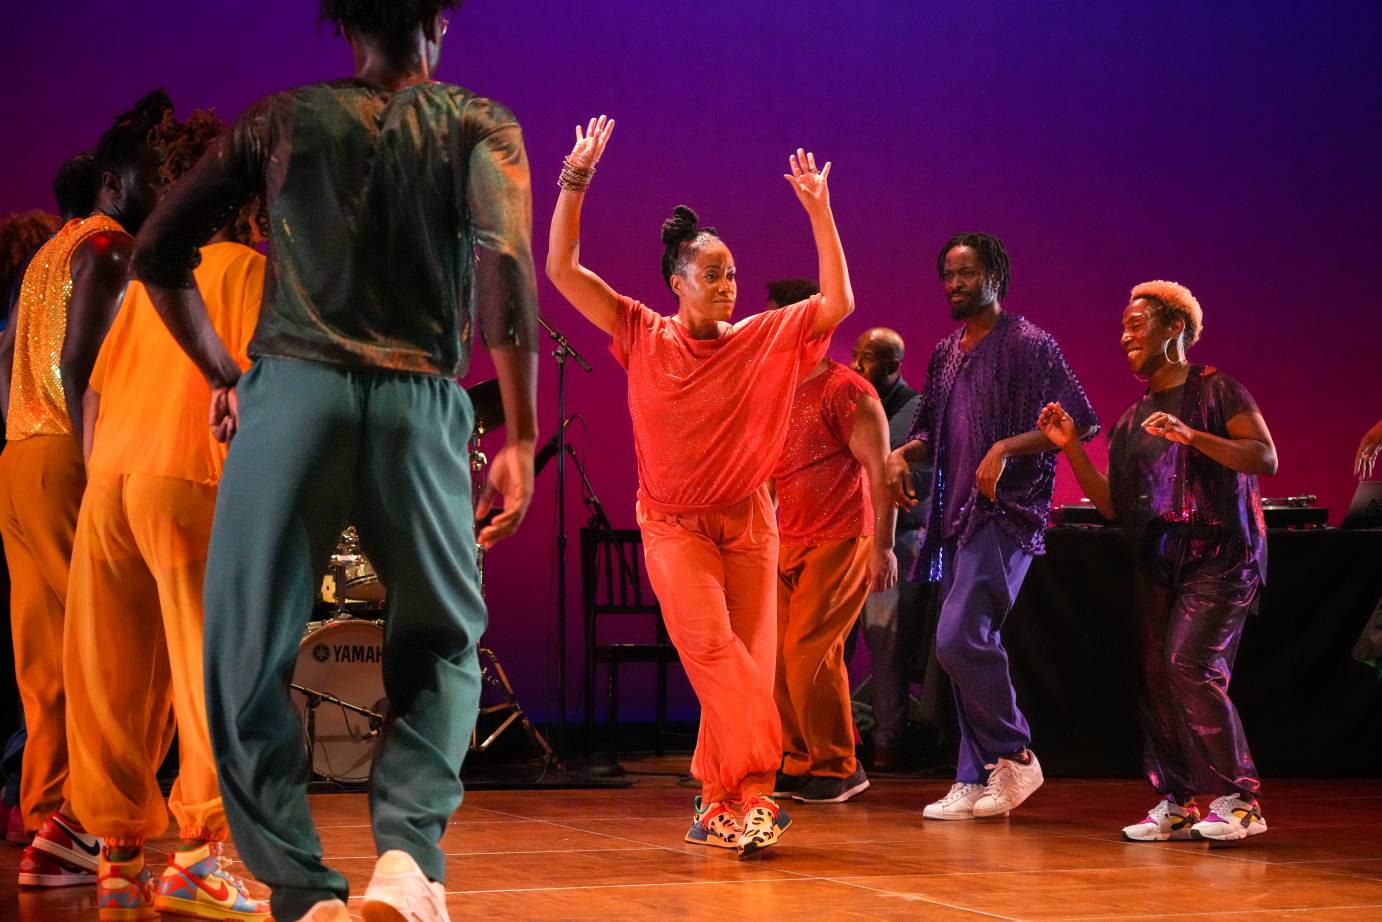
549	449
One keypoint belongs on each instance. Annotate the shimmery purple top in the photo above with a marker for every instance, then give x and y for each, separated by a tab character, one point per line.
1157	483
974	399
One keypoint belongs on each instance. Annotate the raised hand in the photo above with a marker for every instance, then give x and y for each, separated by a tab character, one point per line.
808	183
1168	427
590	143
1368	450
1056	425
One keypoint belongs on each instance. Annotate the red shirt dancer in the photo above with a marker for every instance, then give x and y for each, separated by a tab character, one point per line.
836	523
709	401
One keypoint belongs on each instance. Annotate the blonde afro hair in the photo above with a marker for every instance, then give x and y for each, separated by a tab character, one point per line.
1169	300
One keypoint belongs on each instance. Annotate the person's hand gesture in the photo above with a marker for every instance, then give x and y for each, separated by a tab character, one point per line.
1368	450
1056	425
808	183
590	143
900	486
510	476
224	415
990	471
1168	427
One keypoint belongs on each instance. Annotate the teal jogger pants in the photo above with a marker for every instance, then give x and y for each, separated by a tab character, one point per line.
319	447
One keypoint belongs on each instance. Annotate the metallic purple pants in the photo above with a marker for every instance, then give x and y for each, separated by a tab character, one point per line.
1194	590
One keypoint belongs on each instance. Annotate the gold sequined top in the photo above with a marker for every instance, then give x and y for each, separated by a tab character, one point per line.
38	404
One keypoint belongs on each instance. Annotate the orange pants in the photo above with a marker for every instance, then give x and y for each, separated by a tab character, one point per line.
41	482
714	574
133	658
820	591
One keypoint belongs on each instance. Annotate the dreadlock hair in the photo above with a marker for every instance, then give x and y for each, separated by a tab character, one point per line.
783	292
20	234
1167	301
682	234
991	252
119	147
179	145
74	186
394	21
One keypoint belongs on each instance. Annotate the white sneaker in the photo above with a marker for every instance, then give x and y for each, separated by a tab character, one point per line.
1230	817
1167	820
1010	783
956	805
400	892
327	911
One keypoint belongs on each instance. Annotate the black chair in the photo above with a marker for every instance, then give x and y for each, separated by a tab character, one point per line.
614	584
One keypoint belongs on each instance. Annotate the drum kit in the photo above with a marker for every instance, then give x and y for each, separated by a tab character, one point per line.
338	680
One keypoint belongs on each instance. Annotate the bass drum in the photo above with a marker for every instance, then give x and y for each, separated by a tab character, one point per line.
342	659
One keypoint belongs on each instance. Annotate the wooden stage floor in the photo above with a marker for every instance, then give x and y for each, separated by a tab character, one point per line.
619	855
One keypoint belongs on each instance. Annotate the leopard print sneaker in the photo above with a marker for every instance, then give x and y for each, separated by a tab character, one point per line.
714	824
764	824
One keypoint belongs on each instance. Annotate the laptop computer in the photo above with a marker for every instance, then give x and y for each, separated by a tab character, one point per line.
1366	509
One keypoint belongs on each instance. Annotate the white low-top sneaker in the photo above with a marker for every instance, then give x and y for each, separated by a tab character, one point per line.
958	804
400	892
1167	820
1010	783
1229	818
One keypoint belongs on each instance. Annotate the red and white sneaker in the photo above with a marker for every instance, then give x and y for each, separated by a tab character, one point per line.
67	841
38	869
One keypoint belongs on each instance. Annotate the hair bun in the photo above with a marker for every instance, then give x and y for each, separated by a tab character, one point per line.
681	226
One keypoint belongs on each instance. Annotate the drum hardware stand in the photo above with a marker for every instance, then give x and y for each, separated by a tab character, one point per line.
317	698
491	670
563	350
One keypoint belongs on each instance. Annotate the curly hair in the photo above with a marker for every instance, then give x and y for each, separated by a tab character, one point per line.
20	234
681	238
119	147
394	19
991	253
1167	301
74	186
180	145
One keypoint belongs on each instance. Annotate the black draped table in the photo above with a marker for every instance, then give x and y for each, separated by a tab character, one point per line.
1310	710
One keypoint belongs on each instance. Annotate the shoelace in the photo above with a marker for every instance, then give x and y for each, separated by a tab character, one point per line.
223	871
1223	807
960	790
1161	811
1000	776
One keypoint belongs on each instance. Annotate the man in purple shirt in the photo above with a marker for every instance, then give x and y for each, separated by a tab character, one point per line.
990	496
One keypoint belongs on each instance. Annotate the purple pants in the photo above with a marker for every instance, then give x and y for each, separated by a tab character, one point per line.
1193	594
979	583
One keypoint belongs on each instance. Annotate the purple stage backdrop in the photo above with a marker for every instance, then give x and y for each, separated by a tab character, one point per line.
1230	146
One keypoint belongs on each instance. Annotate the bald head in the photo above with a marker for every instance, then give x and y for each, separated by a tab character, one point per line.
878	357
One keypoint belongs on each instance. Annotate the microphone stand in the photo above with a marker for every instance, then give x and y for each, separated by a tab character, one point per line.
561	353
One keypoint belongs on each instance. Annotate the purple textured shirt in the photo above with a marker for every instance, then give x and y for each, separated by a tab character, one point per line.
976	398
1158	484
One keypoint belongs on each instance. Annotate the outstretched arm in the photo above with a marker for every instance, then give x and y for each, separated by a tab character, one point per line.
868	442
1059	428
586	291
810	185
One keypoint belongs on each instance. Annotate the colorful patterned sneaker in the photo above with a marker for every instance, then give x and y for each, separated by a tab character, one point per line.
39	869
400	892
1230	818
198	884
1167	820
823	790
714	824
68	842
1010	783
786	785
124	890
958	804
764	824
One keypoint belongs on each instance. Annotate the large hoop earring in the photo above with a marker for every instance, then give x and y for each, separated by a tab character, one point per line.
1180	347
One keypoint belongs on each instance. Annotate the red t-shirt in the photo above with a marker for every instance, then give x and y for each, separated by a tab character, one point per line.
822	491
710	415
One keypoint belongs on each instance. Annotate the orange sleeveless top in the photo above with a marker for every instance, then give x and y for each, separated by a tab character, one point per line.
38	404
